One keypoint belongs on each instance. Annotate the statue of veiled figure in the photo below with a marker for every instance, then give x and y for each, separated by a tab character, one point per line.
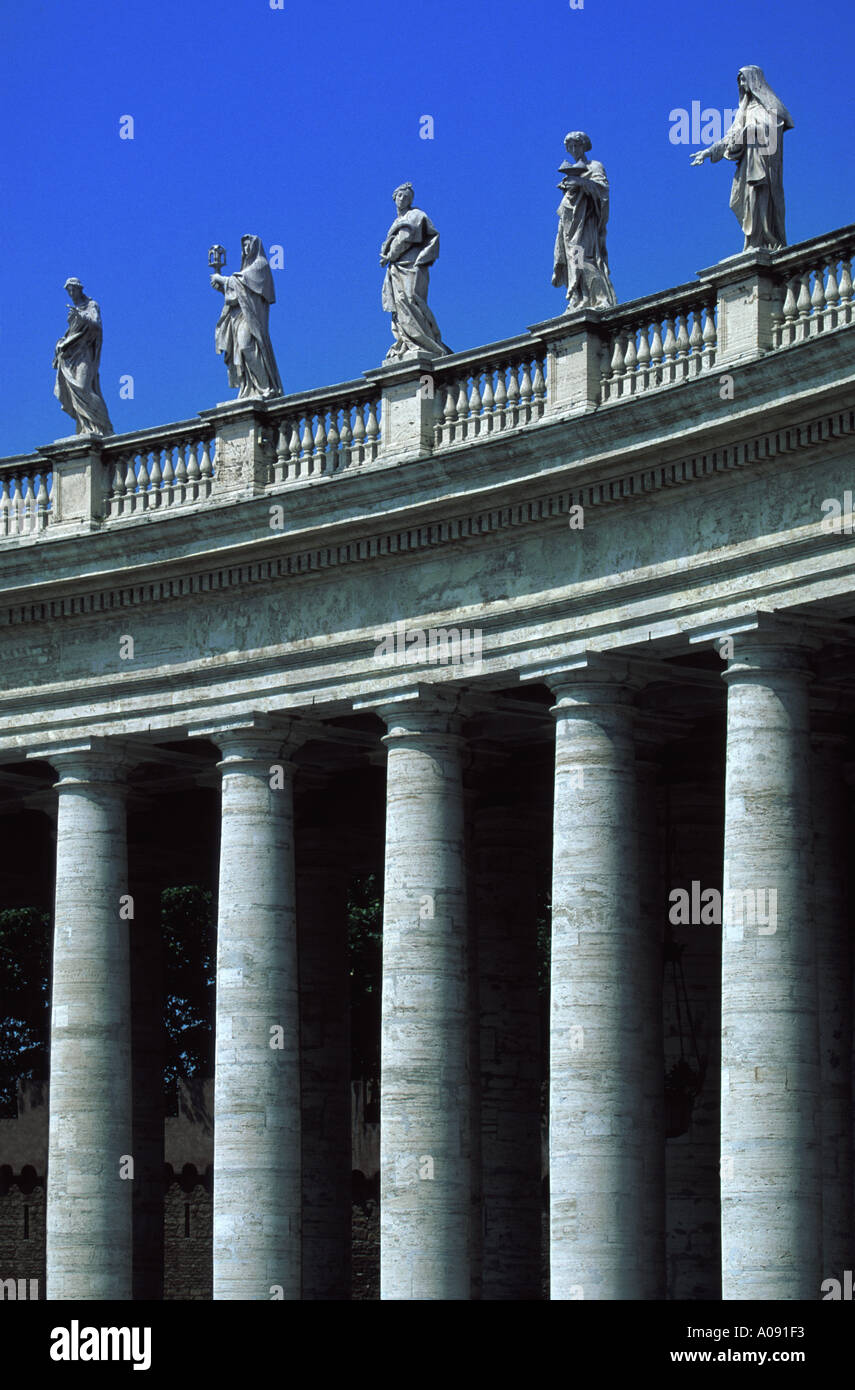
76	359
243	334
755	143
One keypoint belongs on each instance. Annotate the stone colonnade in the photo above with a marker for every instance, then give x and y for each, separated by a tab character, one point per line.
448	1130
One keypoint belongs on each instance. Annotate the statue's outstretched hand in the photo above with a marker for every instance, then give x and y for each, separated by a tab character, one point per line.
699	157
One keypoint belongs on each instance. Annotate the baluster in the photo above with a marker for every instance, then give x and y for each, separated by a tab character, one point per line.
643	357
280	467
168	484
475	404
463	408
488	400
832	296
501	406
359	433
612	382
846	290
656	355
696	341
194	472
13	505
29	507
630	363
445	427
346	437
4	506
306	445
682	342
42	501
206	468
320	444
817	300
118	489
130	498
710	335
525	393
539	386
513	411
372	431
142	481
803	304
156	478
180	474
332	443
669	349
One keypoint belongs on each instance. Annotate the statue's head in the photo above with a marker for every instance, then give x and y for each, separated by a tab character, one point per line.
75	289
251	248
404	195
577	143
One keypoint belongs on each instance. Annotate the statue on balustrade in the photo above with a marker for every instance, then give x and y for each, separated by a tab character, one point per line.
242	334
410	248
580	260
755	143
76	361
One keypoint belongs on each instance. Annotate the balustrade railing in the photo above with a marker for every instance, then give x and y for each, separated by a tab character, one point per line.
659	345
153	475
326	436
500	393
817	295
25	496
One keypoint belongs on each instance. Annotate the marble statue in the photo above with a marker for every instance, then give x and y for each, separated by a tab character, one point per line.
410	248
76	360
755	143
242	335
580	260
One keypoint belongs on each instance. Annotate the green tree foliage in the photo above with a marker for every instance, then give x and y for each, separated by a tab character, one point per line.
24	999
189	981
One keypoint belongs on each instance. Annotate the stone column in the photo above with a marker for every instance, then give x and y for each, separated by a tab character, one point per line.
603	1065
834	990
90	1185
325	1063
256	1076
771	1184
424	1104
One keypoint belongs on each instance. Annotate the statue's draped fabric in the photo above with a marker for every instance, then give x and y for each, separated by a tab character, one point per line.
580	261
755	142
412	245
242	335
78	355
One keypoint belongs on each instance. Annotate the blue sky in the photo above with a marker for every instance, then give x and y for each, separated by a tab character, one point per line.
297	123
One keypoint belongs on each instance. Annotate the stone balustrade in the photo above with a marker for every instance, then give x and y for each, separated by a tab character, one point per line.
25	496
659	344
818	291
479	398
154	473
326	433
741	309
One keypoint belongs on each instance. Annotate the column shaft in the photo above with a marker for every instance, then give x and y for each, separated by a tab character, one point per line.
90	1142
256	1080
424	1145
771	1210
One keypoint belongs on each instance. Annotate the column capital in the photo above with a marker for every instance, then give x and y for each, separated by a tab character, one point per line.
418	709
254	739
87	760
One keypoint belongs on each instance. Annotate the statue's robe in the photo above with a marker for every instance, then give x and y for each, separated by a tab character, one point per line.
580	261
78	388
242	334
412	243
755	142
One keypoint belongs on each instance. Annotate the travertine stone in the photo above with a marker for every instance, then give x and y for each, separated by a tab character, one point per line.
409	250
834	990
77	358
424	1143
603	1140
771	1185
256	1080
749	299
88	1202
